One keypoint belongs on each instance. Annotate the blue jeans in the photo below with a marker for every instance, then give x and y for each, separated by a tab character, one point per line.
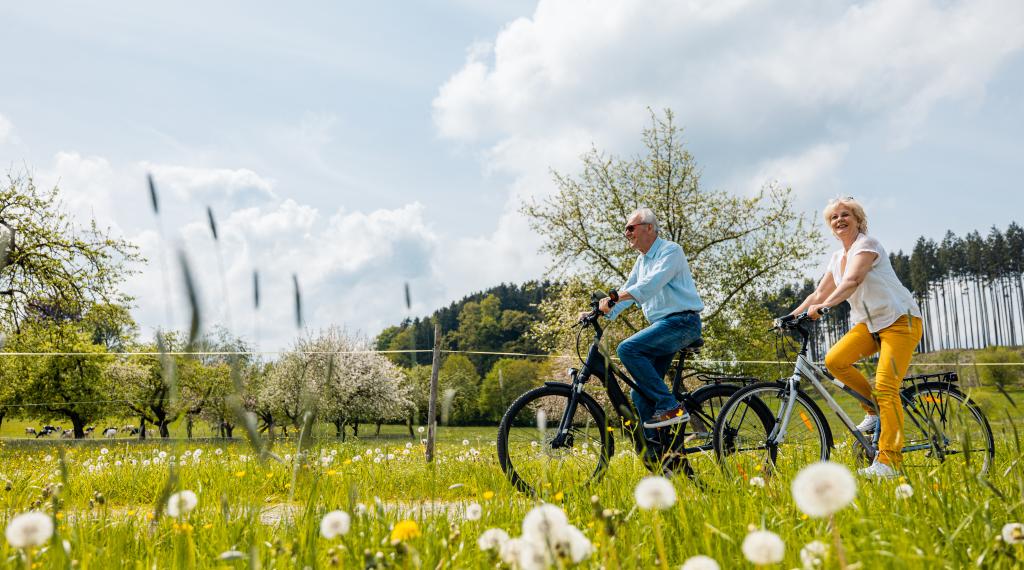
647	356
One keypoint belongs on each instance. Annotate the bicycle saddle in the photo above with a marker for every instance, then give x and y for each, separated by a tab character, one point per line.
693	347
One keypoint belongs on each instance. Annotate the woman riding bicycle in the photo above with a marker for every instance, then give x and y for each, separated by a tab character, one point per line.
886	320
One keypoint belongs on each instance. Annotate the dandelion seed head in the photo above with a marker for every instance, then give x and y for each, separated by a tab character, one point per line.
904	491
700	562
492	539
763	547
474	511
334	524
30	529
823	488
545	524
182	503
654	492
757	482
813	554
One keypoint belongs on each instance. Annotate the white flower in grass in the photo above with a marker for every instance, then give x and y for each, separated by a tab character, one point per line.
408	445
813	554
421	429
655	492
510	550
492	539
465	442
391	457
700	562
217	451
757	482
1013	533
104	451
904	491
580	547
145	463
474	511
182	503
335	523
423	441
231	555
30	529
545	525
360	509
763	547
823	488
48	458
357	458
162	454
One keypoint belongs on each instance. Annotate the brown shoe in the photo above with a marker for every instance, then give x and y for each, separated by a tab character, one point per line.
674	416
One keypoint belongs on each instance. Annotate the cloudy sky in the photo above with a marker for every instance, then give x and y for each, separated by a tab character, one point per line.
365	145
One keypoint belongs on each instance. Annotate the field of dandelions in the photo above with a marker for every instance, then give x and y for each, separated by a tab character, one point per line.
376	503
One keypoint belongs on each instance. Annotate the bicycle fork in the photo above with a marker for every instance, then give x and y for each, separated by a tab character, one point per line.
563	437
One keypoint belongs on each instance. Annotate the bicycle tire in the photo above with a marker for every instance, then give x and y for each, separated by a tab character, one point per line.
744	452
524	451
928	442
695	455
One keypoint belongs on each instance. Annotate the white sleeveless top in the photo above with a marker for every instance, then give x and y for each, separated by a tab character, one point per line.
880	298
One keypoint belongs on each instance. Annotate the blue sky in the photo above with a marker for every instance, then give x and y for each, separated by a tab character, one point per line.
365	145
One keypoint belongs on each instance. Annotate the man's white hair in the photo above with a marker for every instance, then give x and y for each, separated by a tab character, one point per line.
646	216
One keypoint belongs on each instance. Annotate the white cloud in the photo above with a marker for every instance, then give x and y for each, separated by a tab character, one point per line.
735	65
812	172
235	187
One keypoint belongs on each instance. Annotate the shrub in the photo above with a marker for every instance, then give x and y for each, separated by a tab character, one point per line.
1000	376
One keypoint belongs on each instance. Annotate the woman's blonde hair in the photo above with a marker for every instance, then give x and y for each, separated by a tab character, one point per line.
855	208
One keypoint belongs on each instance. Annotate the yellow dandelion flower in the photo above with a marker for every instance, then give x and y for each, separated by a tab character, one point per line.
488	495
332	472
559	496
59	516
270	475
208	526
348	462
405	530
239	474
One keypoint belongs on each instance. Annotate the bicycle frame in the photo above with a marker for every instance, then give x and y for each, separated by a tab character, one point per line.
804	368
599	365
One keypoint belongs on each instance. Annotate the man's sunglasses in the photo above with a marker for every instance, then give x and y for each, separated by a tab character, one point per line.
631	227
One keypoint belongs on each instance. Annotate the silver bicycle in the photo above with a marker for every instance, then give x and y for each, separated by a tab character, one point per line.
941	424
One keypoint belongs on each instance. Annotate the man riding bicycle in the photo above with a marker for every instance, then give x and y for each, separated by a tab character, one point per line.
661	283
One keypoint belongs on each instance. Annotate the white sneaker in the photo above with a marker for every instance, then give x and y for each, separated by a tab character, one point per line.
878	470
869	424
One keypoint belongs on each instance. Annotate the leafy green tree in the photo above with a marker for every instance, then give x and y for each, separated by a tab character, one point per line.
71	386
507	379
739	247
459	389
55	266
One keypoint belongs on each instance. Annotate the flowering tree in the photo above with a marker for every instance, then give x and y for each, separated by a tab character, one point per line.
335	377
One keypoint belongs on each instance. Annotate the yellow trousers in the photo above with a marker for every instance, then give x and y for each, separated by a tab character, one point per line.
898	341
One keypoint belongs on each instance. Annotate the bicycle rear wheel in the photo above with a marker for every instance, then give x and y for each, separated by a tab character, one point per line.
943	426
747	445
526	436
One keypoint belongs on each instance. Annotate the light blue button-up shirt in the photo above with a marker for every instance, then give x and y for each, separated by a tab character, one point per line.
661	282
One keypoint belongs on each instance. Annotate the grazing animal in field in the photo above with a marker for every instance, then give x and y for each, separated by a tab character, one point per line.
130	430
110	432
47	430
67	434
30	431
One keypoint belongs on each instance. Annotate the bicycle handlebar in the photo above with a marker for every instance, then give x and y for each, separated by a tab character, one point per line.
790	322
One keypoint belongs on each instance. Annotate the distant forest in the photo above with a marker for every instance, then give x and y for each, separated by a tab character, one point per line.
970	289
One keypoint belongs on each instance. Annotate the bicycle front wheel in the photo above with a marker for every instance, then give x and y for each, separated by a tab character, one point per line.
943	426
539	463
752	437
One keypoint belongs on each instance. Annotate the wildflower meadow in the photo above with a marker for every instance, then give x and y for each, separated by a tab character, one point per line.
376	503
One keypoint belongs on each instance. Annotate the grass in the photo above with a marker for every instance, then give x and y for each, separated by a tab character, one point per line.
105	509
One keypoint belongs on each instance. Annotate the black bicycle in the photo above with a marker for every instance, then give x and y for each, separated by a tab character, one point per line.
557	437
942	425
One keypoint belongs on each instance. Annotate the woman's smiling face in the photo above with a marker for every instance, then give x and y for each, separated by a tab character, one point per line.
843	223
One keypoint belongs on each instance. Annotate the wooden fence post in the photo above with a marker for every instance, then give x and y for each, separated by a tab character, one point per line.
432	406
